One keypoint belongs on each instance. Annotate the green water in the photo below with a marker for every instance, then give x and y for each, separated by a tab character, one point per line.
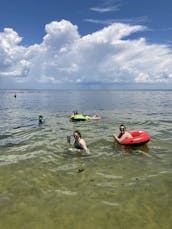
43	185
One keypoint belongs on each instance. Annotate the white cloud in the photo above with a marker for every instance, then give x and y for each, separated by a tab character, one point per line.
60	34
113	33
134	21
104	9
12	55
104	56
108	6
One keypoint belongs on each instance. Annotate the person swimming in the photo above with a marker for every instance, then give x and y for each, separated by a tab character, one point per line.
94	117
40	119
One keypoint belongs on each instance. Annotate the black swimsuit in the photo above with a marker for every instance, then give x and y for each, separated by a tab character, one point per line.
77	145
120	135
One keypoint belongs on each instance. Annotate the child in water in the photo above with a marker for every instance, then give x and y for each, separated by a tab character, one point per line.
40	119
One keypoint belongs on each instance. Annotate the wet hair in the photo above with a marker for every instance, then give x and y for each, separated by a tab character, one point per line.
40	118
75	112
77	132
121	127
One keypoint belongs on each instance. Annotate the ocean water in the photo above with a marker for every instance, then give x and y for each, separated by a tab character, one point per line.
44	185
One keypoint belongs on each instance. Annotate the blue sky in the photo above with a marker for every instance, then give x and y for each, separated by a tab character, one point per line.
93	43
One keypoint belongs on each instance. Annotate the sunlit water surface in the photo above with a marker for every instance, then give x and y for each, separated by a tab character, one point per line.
43	185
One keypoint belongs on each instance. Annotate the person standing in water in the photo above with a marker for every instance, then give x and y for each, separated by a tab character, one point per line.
40	119
79	142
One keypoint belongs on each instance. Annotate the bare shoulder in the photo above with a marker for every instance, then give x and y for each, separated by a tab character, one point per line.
128	135
82	141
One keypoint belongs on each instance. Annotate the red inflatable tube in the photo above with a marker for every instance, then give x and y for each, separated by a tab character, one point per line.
138	138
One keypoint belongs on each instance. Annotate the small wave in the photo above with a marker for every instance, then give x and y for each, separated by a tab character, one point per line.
67	167
24	126
13	159
109	176
112	204
4	136
106	185
64	192
163	172
147	176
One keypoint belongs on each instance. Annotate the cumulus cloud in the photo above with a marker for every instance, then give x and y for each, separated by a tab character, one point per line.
12	55
108	55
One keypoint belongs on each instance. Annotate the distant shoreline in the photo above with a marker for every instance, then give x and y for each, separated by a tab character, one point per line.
89	89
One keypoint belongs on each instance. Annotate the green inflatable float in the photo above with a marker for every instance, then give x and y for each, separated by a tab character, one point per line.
79	117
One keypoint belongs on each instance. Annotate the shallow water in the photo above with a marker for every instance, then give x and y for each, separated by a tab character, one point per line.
43	185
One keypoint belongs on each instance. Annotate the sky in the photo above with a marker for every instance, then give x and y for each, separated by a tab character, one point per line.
52	44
